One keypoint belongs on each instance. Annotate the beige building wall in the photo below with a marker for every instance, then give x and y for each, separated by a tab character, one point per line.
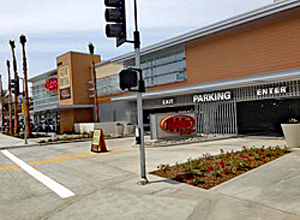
74	73
108	69
266	45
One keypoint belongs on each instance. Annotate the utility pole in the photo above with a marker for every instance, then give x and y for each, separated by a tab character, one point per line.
9	99
92	49
13	46
26	96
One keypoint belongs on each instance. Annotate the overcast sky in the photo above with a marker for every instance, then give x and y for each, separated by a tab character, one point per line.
55	27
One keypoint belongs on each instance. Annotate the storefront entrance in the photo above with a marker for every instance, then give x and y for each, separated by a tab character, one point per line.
265	116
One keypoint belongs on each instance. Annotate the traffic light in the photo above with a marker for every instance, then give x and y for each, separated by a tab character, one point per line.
128	79
116	14
15	86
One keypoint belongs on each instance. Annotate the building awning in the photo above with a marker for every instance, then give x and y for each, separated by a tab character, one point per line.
220	85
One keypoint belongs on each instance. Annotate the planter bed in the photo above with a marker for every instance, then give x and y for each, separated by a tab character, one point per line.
209	171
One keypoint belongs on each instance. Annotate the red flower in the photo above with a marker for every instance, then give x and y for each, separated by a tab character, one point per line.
221	164
209	168
226	172
245	157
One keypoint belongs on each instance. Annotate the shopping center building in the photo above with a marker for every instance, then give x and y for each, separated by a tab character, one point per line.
61	97
239	76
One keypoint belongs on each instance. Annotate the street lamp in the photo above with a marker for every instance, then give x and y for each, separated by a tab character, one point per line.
26	97
92	49
13	46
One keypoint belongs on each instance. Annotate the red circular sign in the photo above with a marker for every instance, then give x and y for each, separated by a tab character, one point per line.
182	124
52	84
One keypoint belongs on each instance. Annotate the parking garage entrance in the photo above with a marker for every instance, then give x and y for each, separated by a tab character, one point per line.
264	117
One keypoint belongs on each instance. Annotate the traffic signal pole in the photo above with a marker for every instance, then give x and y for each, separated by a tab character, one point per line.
143	178
25	116
116	14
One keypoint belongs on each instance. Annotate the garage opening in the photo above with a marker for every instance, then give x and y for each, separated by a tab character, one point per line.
265	116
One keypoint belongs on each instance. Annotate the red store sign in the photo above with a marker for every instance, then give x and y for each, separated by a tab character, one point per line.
181	124
52	84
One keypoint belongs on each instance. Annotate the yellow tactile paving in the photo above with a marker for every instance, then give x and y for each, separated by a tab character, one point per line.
69	157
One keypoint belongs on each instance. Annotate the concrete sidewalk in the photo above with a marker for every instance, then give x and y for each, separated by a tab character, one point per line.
7	142
269	192
105	186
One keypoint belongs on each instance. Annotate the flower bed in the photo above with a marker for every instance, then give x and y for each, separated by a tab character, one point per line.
209	171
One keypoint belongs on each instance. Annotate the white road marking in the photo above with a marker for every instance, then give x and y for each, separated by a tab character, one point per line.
50	183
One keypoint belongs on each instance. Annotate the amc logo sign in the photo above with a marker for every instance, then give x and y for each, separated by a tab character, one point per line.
180	123
51	84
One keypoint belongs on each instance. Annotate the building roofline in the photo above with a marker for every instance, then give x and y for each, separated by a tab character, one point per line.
42	75
218	85
103	63
214	28
75	52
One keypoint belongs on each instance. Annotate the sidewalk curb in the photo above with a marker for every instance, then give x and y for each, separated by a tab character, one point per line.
19	146
185	143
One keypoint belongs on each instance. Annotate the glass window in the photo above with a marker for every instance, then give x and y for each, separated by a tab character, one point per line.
170	78
164	69
180	76
147	73
163	60
180	55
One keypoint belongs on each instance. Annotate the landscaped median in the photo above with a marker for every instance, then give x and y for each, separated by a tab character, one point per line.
66	138
209	171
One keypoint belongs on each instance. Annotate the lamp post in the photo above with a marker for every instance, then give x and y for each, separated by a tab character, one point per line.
26	98
13	46
9	99
92	49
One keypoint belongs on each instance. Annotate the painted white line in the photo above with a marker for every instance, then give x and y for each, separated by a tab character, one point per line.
50	183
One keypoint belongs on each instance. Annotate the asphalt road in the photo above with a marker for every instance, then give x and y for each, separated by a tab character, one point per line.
67	181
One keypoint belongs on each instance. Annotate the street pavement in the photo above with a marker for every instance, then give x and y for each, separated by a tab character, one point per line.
105	185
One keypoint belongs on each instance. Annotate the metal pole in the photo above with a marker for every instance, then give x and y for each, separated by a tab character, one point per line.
10	99
143	179
2	98
25	125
